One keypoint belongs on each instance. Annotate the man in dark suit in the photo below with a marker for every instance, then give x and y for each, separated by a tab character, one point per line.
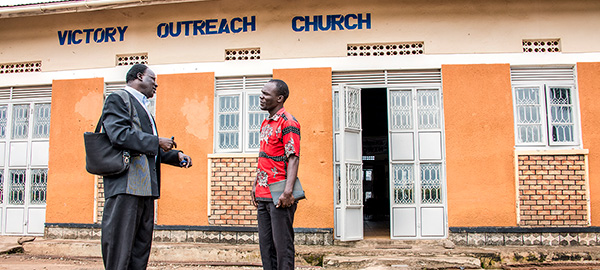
128	218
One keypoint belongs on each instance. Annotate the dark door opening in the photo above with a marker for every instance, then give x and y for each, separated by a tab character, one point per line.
375	163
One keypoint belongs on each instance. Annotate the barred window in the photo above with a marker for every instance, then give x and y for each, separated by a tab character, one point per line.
545	112
238	114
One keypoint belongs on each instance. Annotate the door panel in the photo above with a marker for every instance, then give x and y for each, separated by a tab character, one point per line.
35	220
348	163
39	153
402	146
404	221
2	152
352	141
432	221
18	154
15	220
430	146
417	186
24	151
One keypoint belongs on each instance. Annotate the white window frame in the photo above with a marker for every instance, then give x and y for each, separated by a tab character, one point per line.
245	87
546	133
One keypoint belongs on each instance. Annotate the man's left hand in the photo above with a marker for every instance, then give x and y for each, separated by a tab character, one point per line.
185	161
285	200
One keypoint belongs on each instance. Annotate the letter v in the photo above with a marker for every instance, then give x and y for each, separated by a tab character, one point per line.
62	37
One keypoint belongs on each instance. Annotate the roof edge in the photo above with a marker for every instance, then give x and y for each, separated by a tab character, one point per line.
78	6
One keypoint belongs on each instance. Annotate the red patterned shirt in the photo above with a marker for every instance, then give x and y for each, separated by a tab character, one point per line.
279	138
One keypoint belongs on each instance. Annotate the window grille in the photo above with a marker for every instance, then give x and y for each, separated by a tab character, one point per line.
545	106
229	121
401	104
38	186
404	183
16	189
428	108
22	67
541	45
354	186
385	49
41	120
338	187
20	124
131	59
1	186
3	120
431	184
238	113
242	54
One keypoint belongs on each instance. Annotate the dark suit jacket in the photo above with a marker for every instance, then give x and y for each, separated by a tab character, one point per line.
120	128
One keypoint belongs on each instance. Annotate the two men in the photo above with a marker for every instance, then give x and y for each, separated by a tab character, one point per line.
128	218
278	160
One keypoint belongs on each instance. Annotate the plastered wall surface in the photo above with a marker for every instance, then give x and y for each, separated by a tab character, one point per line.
589	87
445	28
184	109
310	103
478	114
76	107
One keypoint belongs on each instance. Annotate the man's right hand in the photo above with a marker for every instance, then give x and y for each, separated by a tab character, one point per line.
166	144
253	195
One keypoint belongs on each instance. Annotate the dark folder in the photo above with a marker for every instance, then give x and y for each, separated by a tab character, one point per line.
278	187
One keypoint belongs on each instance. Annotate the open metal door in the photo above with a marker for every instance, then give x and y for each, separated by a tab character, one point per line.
417	180
348	163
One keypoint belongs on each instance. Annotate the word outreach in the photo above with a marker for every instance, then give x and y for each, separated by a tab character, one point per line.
206	27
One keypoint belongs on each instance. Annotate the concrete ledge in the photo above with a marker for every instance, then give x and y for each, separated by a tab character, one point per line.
481	238
192	234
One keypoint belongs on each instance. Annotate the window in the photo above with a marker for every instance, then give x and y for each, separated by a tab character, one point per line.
546	110
238	114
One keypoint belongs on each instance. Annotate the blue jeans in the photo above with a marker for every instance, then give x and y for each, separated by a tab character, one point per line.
276	236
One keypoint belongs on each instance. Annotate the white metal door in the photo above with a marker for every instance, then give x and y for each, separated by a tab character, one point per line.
348	163
24	132
417	179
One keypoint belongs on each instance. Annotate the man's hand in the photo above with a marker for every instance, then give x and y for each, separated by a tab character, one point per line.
285	200
166	144
185	161
253	195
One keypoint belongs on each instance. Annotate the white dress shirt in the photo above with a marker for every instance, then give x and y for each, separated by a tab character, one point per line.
144	101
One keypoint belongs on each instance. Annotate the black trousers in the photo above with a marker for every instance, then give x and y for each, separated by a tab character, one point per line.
276	236
127	224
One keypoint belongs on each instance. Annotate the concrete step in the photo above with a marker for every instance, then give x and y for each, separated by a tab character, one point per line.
400	262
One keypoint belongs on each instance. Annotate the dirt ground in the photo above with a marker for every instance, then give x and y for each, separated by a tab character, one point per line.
21	261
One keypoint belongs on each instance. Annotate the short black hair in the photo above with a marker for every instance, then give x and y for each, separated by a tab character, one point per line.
133	72
282	88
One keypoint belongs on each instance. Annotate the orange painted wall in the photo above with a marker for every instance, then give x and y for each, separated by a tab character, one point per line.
588	80
478	113
184	109
76	107
310	102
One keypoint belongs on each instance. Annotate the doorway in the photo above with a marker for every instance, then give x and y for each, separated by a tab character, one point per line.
376	214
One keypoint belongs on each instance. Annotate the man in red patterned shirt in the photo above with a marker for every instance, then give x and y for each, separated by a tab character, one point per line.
278	160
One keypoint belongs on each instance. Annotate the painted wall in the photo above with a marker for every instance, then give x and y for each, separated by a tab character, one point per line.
446	27
76	107
184	109
589	87
310	102
478	111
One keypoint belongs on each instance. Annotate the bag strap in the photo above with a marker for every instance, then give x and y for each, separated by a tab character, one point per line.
127	99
